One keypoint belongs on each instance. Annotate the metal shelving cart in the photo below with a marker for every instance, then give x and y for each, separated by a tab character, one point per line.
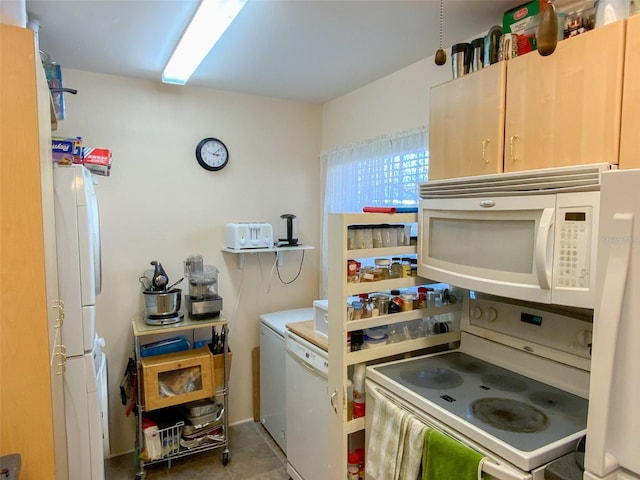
170	435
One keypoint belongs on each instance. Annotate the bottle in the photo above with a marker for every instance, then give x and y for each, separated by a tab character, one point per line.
349	399
360	452
353	470
358	390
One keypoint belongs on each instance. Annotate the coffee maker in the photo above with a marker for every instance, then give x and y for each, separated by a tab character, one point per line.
203	301
288	230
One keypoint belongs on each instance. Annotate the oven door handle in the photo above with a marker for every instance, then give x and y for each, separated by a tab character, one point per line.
502	472
542	250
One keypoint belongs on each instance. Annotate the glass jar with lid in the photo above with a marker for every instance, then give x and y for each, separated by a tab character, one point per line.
382	269
395	270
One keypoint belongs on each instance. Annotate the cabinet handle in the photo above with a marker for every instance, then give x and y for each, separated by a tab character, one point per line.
512	142
484	151
333	404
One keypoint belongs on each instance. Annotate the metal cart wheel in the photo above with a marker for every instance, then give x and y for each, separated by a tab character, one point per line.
225	458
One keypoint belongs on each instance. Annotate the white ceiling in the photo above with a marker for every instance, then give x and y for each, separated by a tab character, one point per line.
306	50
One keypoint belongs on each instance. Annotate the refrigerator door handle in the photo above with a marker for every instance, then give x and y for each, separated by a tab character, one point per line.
620	240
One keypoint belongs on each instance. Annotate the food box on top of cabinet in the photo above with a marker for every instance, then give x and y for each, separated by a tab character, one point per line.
523	21
97	160
66	151
53	72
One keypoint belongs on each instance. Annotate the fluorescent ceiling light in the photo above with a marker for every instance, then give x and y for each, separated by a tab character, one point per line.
207	26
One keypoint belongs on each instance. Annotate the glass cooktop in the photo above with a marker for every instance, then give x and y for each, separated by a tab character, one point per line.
518	410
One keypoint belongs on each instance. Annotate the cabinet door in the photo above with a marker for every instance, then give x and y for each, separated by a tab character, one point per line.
466	121
564	109
629	151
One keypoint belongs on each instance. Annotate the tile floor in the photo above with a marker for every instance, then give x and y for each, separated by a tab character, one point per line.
253	455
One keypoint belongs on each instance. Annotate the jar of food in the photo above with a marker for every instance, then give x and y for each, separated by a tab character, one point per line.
353	271
357	311
381	301
377	236
407	299
382	269
395	270
396	304
414	267
406	267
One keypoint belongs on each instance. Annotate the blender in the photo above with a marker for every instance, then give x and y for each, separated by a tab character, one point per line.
203	300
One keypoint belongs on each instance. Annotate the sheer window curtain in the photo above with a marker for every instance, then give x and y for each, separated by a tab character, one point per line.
379	172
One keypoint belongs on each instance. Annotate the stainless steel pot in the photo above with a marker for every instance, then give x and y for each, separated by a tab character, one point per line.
162	303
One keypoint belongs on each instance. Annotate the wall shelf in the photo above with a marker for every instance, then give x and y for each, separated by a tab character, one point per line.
253	251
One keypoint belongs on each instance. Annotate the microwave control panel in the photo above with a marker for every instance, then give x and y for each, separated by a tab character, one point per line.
571	263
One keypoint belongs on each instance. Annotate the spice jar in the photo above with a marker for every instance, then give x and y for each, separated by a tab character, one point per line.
406	267
414	267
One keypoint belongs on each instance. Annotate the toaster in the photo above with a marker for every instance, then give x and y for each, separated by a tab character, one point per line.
239	236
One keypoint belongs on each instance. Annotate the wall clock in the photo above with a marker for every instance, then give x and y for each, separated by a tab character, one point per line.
212	154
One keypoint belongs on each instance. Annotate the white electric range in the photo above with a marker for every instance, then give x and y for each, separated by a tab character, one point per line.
515	390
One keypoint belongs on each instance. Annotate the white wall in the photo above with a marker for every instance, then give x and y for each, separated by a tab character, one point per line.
158	204
397	102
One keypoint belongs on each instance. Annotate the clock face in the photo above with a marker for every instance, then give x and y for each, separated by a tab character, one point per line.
212	154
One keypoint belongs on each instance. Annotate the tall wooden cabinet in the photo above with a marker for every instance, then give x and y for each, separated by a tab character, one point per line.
345	434
466	124
564	109
29	410
629	145
559	110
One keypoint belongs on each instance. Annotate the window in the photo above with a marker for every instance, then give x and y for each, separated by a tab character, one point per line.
385	182
384	172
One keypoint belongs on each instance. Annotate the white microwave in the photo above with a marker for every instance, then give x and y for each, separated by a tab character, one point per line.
528	235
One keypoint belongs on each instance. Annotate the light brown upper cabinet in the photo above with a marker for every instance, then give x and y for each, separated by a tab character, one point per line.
466	124
630	128
564	109
535	112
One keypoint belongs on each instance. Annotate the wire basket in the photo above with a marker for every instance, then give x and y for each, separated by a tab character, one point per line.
164	443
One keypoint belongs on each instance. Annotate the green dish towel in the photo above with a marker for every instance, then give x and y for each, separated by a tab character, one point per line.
443	458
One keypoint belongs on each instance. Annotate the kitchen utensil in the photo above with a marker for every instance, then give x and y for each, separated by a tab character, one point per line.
288	230
547	35
145	282
162	303
461	54
160	278
203	300
175	283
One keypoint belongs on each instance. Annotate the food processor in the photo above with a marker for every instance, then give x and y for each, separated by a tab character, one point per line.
203	300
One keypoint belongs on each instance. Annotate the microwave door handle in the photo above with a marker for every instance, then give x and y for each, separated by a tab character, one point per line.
544	234
604	349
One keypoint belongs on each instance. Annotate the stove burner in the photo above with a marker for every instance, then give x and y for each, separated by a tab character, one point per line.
504	383
465	363
509	415
437	378
550	400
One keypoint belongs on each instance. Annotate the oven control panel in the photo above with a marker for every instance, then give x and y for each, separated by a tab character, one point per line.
556	329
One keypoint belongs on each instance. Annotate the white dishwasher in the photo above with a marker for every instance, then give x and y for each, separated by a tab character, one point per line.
273	399
307	368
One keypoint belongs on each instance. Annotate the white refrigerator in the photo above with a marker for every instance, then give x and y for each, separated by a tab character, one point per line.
79	281
613	426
